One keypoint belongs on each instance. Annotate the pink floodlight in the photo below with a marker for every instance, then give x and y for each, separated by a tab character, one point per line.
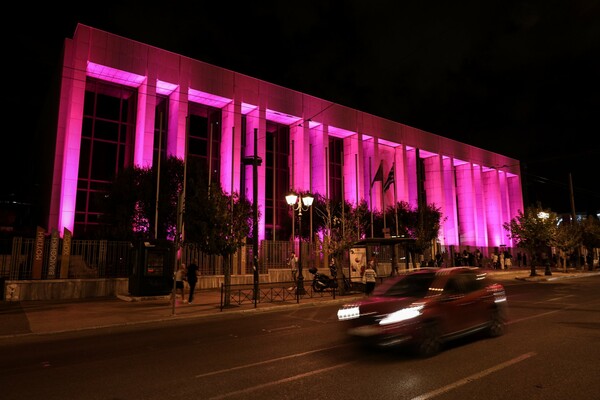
211	100
114	75
281	118
165	88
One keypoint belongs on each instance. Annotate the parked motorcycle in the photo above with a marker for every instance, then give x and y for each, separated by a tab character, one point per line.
321	281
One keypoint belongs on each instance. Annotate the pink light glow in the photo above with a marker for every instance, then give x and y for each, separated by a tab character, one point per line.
339	132
165	88
246	108
212	100
114	75
282	118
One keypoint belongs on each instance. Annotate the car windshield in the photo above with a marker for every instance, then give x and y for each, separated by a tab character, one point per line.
413	285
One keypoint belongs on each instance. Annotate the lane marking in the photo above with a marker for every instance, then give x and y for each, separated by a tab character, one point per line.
278	382
227	370
474	377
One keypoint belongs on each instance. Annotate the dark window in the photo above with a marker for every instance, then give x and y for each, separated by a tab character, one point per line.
106	147
160	128
336	168
277	181
204	137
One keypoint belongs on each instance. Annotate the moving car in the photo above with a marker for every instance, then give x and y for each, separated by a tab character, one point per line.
426	307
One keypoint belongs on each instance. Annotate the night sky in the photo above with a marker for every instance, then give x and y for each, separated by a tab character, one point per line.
520	78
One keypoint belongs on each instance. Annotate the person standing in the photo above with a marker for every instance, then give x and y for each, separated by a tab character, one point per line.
192	279
293	264
507	260
369	279
179	281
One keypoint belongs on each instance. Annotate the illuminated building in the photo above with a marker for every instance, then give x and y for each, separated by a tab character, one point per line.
119	97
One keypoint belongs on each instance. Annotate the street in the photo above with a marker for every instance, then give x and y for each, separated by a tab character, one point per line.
551	351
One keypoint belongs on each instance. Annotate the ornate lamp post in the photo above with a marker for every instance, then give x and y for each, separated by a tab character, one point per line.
299	204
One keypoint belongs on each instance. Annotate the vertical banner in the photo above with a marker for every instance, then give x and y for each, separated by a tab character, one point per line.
358	261
53	260
66	255
38	256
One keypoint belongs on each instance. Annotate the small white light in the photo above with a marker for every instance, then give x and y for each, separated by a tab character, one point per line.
348	313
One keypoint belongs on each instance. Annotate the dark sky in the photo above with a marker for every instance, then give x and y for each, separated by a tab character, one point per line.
520	78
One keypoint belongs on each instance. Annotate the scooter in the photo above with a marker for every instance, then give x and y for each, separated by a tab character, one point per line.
321	281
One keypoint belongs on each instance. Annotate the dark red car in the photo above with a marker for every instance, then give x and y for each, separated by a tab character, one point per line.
426	307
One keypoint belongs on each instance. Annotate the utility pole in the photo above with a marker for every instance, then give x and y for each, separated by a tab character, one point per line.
255	161
574	217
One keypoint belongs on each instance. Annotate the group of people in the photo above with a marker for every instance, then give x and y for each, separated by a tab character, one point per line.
187	274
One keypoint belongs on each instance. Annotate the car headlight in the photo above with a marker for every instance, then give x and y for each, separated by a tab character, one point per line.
348	313
402	315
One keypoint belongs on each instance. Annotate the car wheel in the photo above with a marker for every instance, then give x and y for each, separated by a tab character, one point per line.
497	324
430	343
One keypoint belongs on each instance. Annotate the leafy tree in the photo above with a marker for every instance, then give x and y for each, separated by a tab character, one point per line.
342	226
129	207
568	237
427	228
126	207
534	231
422	224
590	236
219	223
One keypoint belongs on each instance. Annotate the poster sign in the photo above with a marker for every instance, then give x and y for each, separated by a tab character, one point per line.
53	260
38	255
358	262
66	255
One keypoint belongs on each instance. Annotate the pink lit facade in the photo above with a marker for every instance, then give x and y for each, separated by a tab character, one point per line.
477	190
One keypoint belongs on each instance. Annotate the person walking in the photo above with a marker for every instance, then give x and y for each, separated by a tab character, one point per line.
369	279
192	279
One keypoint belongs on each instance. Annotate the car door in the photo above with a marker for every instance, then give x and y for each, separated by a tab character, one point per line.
461	302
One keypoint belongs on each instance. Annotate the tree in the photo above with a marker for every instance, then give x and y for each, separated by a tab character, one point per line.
590	237
342	225
127	205
219	223
534	231
129	208
568	237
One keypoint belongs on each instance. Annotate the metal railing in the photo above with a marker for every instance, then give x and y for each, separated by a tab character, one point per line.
113	259
281	292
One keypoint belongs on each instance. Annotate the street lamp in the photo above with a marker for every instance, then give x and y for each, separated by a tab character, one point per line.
299	204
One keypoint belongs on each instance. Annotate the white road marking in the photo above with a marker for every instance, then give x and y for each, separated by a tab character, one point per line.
280	381
474	377
227	370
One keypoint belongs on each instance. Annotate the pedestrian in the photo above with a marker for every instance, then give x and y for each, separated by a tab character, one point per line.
332	267
495	260
478	258
180	281
373	263
507	260
293	264
192	279
369	279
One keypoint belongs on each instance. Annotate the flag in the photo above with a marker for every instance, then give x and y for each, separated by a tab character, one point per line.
389	180
378	175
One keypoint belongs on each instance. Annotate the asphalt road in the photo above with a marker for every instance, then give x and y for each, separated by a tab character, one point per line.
551	351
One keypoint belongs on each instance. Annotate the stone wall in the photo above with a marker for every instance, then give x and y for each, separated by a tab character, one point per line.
73	289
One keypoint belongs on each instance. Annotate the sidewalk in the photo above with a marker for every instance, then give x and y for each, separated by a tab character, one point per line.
46	317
